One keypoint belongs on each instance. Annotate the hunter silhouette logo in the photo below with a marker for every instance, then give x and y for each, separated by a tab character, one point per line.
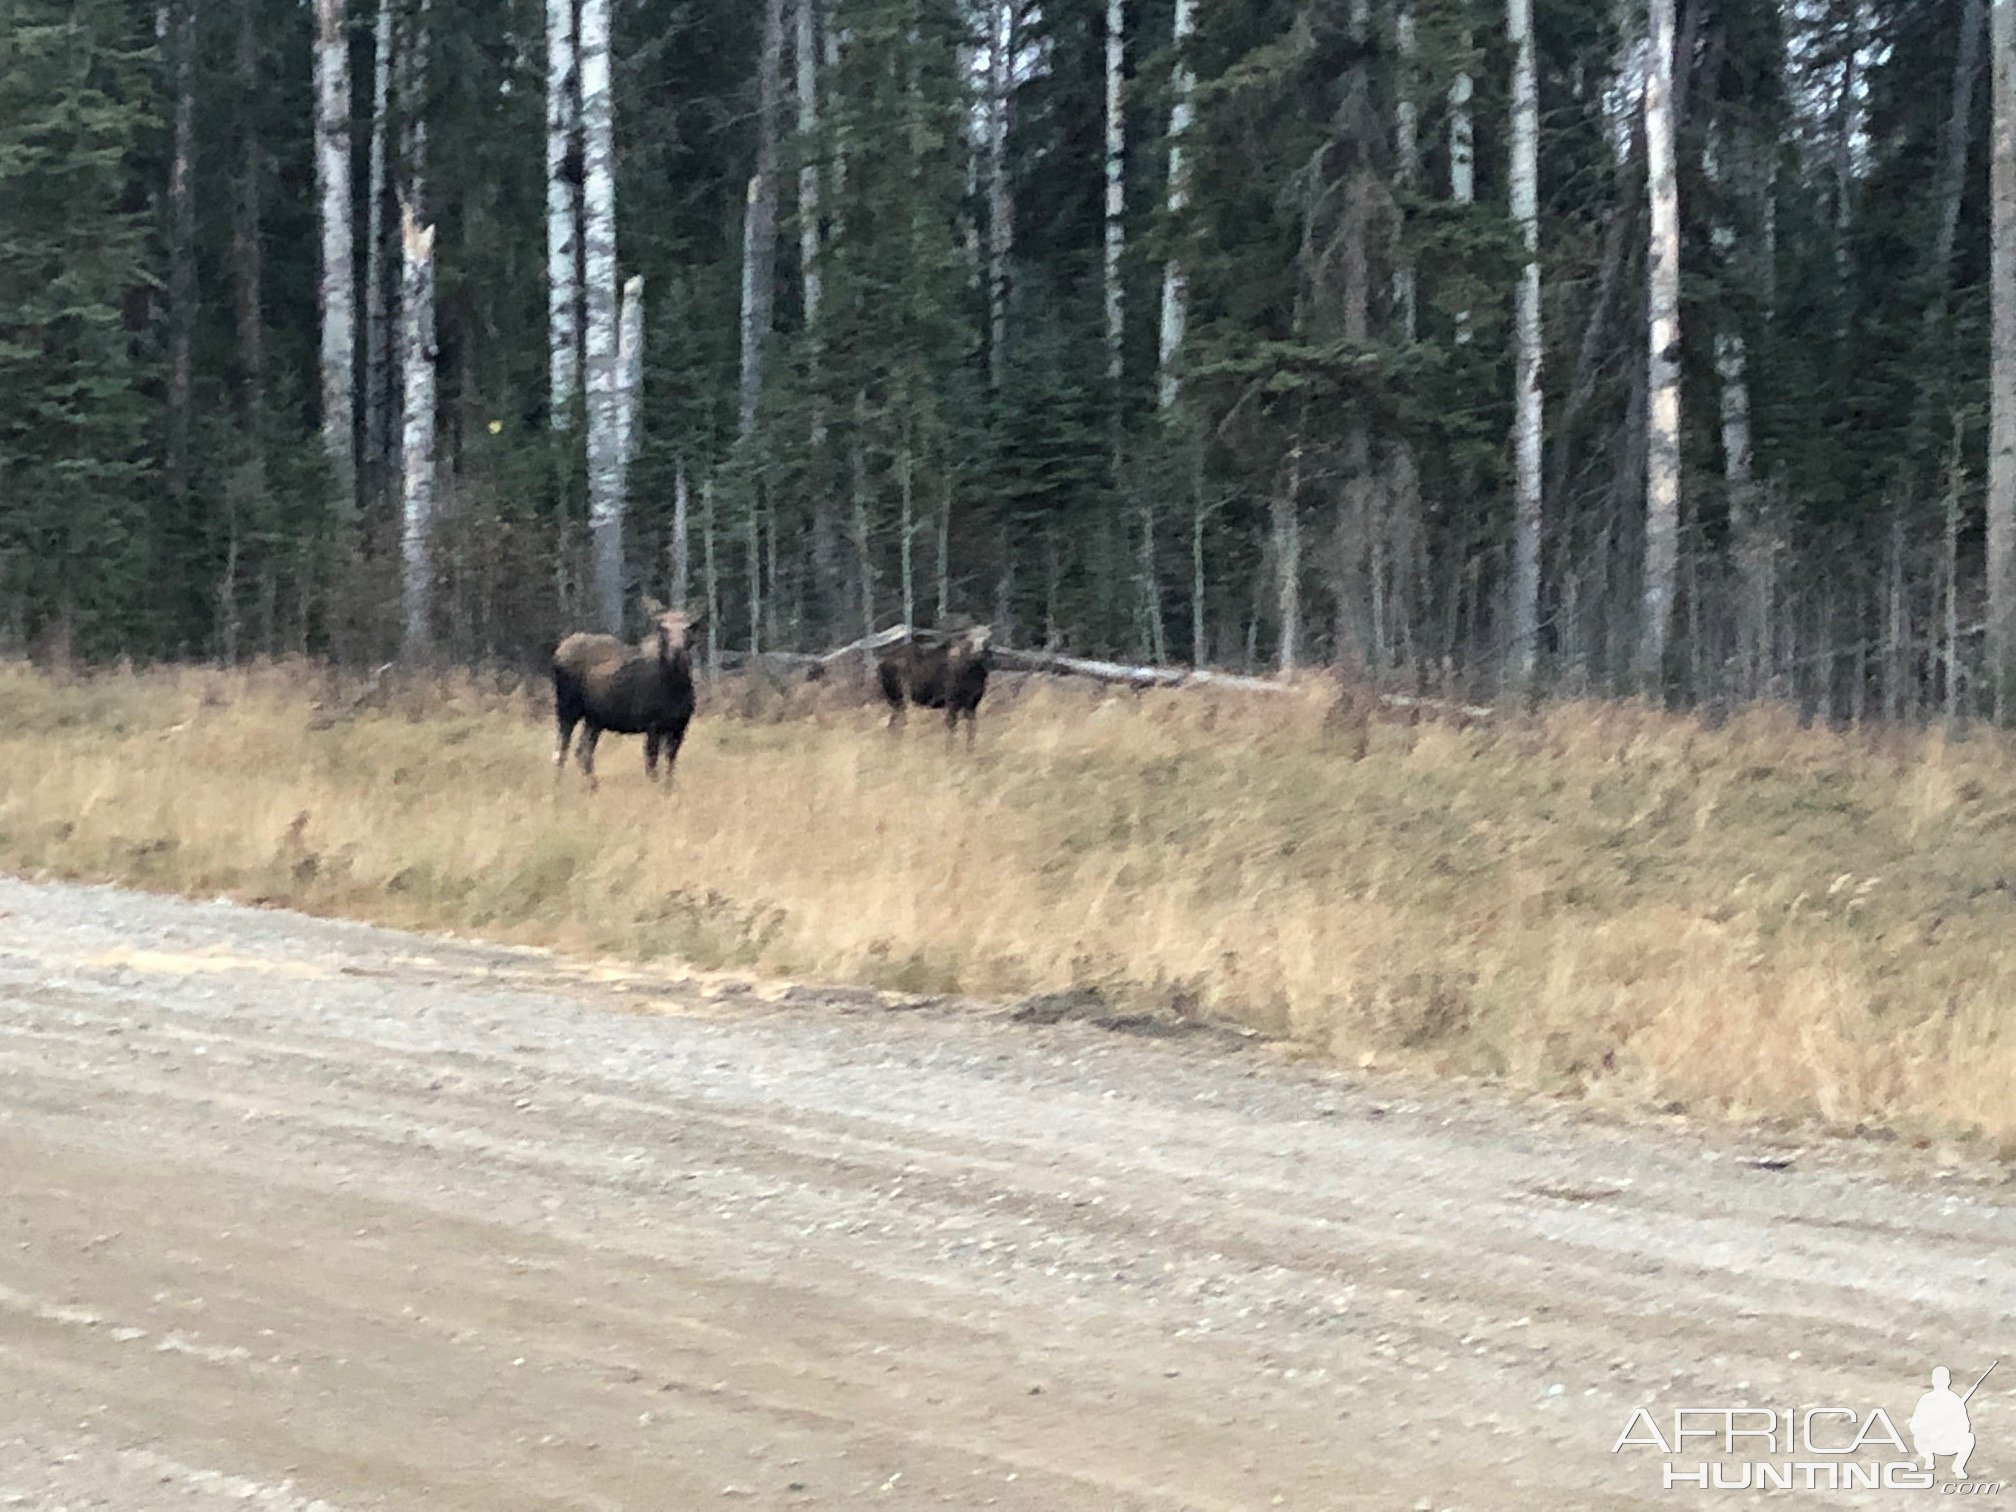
1815	1448
1940	1424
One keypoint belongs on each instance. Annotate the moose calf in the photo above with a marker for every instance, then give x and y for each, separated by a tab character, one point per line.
937	669
645	689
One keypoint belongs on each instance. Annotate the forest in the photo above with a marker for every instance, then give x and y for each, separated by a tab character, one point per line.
1660	347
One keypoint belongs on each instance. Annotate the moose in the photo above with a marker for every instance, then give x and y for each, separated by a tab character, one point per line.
646	689
937	669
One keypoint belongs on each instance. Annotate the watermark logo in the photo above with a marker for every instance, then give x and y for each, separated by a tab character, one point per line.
1822	1448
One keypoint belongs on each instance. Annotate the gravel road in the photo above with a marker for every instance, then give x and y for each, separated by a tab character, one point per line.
301	1214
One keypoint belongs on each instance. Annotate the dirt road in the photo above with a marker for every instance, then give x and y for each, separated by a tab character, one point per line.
302	1214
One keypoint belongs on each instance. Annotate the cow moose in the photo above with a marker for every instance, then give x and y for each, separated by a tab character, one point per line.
602	683
937	669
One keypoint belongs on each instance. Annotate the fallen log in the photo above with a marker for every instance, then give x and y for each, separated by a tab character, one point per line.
1120	674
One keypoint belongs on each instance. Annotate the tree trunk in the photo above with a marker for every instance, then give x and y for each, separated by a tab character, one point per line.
1953	161
906	506
1662	387
182	249
416	453
1000	207
759	237
1955	478
1751	548
1462	159
377	281
713	577
944	598
629	382
248	267
1198	631
811	275
563	216
681	548
1116	188
605	469
1527	335
1406	165
863	542
337	300
1288	561
2002	388
1175	279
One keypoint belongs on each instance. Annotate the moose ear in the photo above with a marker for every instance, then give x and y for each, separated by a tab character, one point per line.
652	607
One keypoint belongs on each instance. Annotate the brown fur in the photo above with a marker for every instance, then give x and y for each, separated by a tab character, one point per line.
645	689
938	670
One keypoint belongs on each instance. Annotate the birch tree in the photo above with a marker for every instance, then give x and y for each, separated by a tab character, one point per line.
336	300
1462	158
1175	280
1662	387
629	379
811	273
2002	359
680	549
605	466
377	284
1000	207
1406	161
416	452
759	240
563	216
1527	341
1116	184
1732	376
181	40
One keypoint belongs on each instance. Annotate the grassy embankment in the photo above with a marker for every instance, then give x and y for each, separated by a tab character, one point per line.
1757	921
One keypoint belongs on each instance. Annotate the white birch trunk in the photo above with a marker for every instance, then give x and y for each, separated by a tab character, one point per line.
1406	161
629	380
563	216
812	276
759	240
907	512
2002	388
1662	388
836	167
377	281
1527	337
1752	550
749	386
605	468
682	555
1175	278
1000	207
1462	159
1116	184
338	297
182	249
1288	562
416	553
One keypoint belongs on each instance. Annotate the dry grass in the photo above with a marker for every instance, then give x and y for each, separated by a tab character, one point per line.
1759	920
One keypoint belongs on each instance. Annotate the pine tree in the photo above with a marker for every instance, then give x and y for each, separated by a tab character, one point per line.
74	97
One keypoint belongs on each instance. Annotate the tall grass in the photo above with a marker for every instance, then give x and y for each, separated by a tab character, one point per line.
1758	920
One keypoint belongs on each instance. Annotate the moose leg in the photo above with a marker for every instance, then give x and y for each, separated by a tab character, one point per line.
566	723
675	736
585	753
651	755
972	717
894	693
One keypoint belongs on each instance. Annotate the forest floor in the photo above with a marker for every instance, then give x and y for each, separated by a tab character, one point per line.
1753	921
301	1214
